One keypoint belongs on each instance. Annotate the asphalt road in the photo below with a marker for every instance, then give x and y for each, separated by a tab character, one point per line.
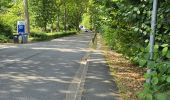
45	70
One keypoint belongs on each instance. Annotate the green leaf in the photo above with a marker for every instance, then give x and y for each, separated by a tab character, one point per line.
151	64
164	45
146	41
156	56
141	96
168	54
147	48
146	55
168	79
161	96
136	29
147	75
164	51
154	73
138	12
149	97
142	62
163	78
168	93
135	9
162	68
155	80
159	25
142	49
156	47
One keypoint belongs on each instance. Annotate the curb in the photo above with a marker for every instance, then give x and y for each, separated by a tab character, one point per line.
77	85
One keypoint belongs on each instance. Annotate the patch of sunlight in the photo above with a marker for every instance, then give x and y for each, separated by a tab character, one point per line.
11	60
106	94
63	40
95	77
98	60
66	91
26	78
55	49
83	62
106	81
16	90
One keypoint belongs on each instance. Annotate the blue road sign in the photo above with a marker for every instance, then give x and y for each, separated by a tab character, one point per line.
21	27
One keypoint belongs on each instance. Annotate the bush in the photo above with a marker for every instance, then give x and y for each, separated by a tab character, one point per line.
130	35
3	39
5	30
40	36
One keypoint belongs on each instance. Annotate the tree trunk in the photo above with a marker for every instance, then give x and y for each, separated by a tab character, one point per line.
65	17
27	21
51	27
78	21
58	23
44	28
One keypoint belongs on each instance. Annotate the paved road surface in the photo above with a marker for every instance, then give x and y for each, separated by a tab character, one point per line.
42	71
99	84
54	70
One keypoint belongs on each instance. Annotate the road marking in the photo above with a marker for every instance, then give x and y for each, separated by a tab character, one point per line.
77	85
74	88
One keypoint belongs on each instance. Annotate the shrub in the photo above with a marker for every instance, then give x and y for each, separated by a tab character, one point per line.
5	30
3	39
40	36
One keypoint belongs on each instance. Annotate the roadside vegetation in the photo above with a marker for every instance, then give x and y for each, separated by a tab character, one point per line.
49	19
128	76
125	27
123	24
35	36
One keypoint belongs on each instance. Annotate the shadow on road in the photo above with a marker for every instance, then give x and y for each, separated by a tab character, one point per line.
40	71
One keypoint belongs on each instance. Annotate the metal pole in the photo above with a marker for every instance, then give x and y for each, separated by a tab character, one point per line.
152	35
26	13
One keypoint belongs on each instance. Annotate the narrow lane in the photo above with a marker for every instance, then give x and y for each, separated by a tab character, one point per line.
41	71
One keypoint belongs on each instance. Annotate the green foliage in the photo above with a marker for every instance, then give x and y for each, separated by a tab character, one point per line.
4	4
5	30
43	11
125	26
67	13
86	20
3	39
45	15
39	36
14	14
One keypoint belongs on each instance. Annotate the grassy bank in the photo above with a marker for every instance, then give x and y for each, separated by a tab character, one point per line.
38	36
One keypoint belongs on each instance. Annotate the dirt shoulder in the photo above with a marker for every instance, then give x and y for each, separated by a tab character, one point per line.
128	76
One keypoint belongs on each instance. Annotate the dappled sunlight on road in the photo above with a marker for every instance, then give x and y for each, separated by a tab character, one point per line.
99	83
101	61
58	49
41	71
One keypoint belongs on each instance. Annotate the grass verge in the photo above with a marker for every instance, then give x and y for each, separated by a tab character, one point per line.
39	36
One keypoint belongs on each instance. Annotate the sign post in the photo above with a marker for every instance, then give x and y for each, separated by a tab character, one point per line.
152	35
21	31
